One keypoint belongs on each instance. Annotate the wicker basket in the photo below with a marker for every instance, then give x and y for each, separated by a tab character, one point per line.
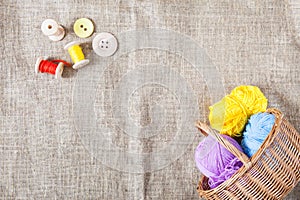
271	173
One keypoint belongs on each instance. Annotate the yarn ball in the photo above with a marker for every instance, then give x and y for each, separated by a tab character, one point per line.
215	161
230	115
257	129
251	97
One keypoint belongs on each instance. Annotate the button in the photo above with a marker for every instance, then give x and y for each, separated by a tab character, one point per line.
105	44
53	30
83	27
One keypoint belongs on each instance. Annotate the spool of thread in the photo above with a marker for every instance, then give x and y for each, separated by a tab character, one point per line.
257	129
230	115
53	30
54	67
216	162
76	55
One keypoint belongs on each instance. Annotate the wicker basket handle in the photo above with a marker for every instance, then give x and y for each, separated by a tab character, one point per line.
207	130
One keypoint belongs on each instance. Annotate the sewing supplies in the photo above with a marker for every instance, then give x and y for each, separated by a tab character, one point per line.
230	115
105	44
215	161
53	30
258	128
269	156
83	27
54	67
76	55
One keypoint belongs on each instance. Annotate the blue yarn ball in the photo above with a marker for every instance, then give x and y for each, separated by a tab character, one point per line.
257	129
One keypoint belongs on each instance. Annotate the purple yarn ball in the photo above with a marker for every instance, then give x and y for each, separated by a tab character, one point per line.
215	161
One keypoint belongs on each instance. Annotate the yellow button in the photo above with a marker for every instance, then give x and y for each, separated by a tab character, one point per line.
83	27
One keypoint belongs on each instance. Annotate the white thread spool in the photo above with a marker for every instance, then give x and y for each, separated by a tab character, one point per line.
53	30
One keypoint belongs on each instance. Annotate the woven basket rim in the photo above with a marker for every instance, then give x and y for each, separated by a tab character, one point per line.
267	142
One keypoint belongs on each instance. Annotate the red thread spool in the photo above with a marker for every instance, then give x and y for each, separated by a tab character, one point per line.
54	67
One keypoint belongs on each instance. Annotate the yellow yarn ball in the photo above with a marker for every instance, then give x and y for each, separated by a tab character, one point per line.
230	115
251	97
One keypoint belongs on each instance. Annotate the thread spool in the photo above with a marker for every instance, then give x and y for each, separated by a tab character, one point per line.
54	67
53	30
76	55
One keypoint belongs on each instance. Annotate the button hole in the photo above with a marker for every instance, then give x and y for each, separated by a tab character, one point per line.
85	29
102	42
107	47
49	26
81	26
101	46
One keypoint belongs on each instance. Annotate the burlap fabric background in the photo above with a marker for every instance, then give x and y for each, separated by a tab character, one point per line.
42	155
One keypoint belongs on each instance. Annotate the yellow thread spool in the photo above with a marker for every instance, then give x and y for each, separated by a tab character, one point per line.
76	55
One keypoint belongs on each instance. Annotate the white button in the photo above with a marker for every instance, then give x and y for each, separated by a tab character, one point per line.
53	30
105	44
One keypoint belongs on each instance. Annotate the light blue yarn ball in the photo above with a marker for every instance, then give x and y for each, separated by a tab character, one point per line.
257	129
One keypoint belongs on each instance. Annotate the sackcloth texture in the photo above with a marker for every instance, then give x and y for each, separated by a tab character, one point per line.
47	149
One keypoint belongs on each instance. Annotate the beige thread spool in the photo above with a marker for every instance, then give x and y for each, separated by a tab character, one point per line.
53	30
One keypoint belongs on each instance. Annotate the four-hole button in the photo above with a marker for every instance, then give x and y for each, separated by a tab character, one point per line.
105	44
